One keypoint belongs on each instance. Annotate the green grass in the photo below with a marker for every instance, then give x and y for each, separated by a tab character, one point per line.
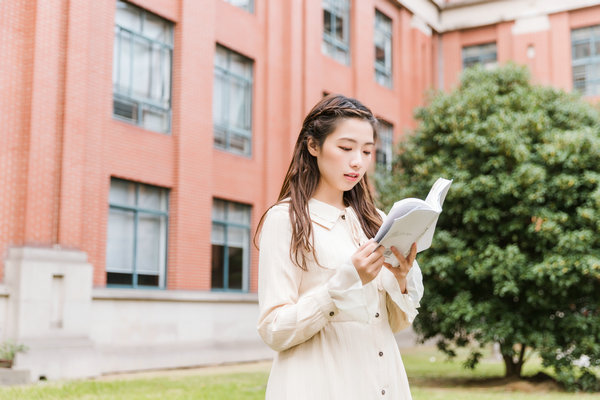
431	377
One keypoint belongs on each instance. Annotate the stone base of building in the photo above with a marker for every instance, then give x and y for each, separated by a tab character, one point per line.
73	330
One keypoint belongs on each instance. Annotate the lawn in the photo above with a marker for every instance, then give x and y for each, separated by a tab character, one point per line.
432	377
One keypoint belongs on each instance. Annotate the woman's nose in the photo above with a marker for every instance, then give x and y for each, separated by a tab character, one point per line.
356	160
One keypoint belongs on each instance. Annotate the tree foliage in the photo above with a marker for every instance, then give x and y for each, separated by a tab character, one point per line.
516	254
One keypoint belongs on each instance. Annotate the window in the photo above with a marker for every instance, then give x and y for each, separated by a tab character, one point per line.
230	245
247	5
136	249
232	102
484	54
585	43
385	139
336	30
142	58
383	49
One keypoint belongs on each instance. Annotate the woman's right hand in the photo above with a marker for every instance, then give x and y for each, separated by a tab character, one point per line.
368	261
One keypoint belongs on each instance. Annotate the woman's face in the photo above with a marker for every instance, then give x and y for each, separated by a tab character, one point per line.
345	155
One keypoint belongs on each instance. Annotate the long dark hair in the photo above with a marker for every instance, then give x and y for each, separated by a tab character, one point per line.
303	175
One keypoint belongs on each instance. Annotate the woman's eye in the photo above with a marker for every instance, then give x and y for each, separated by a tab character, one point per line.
367	153
345	148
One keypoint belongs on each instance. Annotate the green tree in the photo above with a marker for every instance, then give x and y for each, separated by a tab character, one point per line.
516	254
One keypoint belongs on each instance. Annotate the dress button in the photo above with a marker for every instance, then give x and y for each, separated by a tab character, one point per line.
376	315
331	314
383	391
343	216
381	354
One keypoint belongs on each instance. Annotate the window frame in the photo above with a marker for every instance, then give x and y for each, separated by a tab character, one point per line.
482	58
228	129
384	72
343	8
141	103
249	8
162	273
225	223
591	60
387	146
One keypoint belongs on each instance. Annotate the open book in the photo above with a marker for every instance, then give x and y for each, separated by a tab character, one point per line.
412	220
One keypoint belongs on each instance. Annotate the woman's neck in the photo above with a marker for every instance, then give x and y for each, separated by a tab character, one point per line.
332	197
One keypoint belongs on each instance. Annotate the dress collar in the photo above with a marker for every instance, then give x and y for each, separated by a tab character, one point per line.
324	214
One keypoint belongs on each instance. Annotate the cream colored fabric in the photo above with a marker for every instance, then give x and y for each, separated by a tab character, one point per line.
334	336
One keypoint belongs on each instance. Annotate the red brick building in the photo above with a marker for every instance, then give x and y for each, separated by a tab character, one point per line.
141	141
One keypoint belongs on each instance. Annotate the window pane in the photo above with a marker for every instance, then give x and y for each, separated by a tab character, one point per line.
581	34
239	213
219	97
240	65
221	57
157	28
385	145
236	260
237	242
116	278
481	54
239	143
122	193
149	243
220	138
339	28
115	73
582	50
218	234
237	237
238	100
244	4
380	55
119	245
148	280
141	68
157	89
218	263
327	28
128	16
218	210
124	84
152	198
166	77
155	120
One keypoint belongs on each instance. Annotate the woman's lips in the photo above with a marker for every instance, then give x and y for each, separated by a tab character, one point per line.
351	177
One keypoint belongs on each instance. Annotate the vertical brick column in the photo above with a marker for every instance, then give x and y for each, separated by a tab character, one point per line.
45	124
16	64
75	129
191	200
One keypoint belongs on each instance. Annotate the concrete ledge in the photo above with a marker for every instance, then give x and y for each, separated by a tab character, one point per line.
14	376
3	291
173	295
47	254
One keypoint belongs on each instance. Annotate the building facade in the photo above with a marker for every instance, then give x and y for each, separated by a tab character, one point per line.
141	142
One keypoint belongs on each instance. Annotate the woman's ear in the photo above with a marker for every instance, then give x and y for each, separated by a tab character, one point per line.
312	146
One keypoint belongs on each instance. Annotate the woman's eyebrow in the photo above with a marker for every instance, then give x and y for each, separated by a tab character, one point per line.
354	140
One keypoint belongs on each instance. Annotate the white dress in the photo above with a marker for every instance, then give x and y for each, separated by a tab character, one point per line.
334	337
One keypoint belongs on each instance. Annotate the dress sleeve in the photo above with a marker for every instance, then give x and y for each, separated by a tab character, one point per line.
402	307
286	317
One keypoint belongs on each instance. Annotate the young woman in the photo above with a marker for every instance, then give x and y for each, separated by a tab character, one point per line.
329	305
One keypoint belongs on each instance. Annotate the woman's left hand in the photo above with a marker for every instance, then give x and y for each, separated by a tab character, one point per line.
406	264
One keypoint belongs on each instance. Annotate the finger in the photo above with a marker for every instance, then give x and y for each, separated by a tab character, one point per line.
365	244
371	246
413	254
399	256
376	256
